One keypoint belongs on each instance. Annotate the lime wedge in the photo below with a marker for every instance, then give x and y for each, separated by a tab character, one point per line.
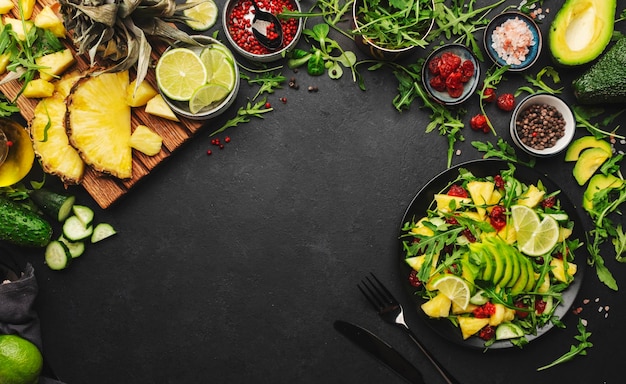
220	66
454	288
207	95
203	16
534	237
179	73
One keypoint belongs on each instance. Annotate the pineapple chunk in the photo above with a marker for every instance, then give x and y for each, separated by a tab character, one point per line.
146	140
27	7
64	85
531	197
545	286
481	192
458	310
508	234
444	201
20	29
99	123
438	306
38	89
158	107
6	6
421	229
416	262
50	141
471	325
498	316
54	64
48	19
4	61
139	97
558	270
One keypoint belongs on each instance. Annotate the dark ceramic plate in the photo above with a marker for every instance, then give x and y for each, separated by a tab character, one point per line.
534	50
483	168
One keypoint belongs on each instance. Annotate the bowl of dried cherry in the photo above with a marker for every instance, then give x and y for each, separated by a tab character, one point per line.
542	125
237	19
450	74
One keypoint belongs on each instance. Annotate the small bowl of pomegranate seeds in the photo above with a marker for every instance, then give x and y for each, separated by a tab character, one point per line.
513	39
237	21
450	74
542	125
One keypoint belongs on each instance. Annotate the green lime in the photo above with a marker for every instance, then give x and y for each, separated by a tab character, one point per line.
179	73
534	237
203	16
454	288
207	95
220	66
20	360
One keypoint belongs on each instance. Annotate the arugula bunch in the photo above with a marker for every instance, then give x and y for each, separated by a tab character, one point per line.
580	349
244	114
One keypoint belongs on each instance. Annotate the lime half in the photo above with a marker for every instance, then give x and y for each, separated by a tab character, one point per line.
207	95
179	73
454	288
203	16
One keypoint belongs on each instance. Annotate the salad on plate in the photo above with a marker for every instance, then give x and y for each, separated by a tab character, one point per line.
492	255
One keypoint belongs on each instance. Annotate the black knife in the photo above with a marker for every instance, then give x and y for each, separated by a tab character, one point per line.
381	350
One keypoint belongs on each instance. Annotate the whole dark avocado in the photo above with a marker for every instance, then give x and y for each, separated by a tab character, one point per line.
605	81
581	30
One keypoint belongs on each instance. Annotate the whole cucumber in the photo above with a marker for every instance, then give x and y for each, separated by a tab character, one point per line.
21	226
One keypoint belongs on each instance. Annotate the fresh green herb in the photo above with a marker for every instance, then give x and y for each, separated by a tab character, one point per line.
7	108
584	116
575	350
529	5
395	24
492	79
445	120
461	20
244	114
539	84
503	151
324	58
269	81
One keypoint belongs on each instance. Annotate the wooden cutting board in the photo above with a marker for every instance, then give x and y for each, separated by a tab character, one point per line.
104	189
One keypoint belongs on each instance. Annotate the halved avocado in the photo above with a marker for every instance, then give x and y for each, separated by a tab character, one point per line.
581	30
580	144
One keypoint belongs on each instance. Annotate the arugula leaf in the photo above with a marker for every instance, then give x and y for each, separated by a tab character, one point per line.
584	115
503	151
244	114
540	84
575	350
268	80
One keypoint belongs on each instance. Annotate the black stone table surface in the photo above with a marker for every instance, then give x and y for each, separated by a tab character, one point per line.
231	268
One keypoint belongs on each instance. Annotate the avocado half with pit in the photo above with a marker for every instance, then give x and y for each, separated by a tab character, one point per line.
581	30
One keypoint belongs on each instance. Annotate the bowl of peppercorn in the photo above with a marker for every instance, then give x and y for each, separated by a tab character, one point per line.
237	20
450	74
542	125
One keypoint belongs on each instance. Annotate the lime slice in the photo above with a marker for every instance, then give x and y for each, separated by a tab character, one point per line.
454	288
220	66
179	73
534	237
207	95
203	16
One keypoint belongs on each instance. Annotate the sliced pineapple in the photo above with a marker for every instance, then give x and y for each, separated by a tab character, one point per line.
146	140
50	142
99	123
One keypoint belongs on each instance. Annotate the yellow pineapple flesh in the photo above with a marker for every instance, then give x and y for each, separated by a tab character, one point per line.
99	123
146	141
50	142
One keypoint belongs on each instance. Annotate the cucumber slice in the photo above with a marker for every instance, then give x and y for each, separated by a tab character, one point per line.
74	229
54	204
102	231
85	214
57	255
508	331
76	248
479	298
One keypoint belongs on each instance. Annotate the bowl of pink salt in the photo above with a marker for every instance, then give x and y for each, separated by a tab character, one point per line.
513	39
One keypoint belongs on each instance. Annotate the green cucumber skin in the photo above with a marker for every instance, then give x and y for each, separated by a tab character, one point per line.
605	81
56	205
21	226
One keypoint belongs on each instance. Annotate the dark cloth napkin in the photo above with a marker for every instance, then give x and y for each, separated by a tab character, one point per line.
17	304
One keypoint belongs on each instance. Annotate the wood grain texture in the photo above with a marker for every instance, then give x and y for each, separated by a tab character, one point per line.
105	189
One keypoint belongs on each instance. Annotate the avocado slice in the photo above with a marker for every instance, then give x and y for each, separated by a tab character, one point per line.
522	280
597	183
581	30
580	144
604	82
588	162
